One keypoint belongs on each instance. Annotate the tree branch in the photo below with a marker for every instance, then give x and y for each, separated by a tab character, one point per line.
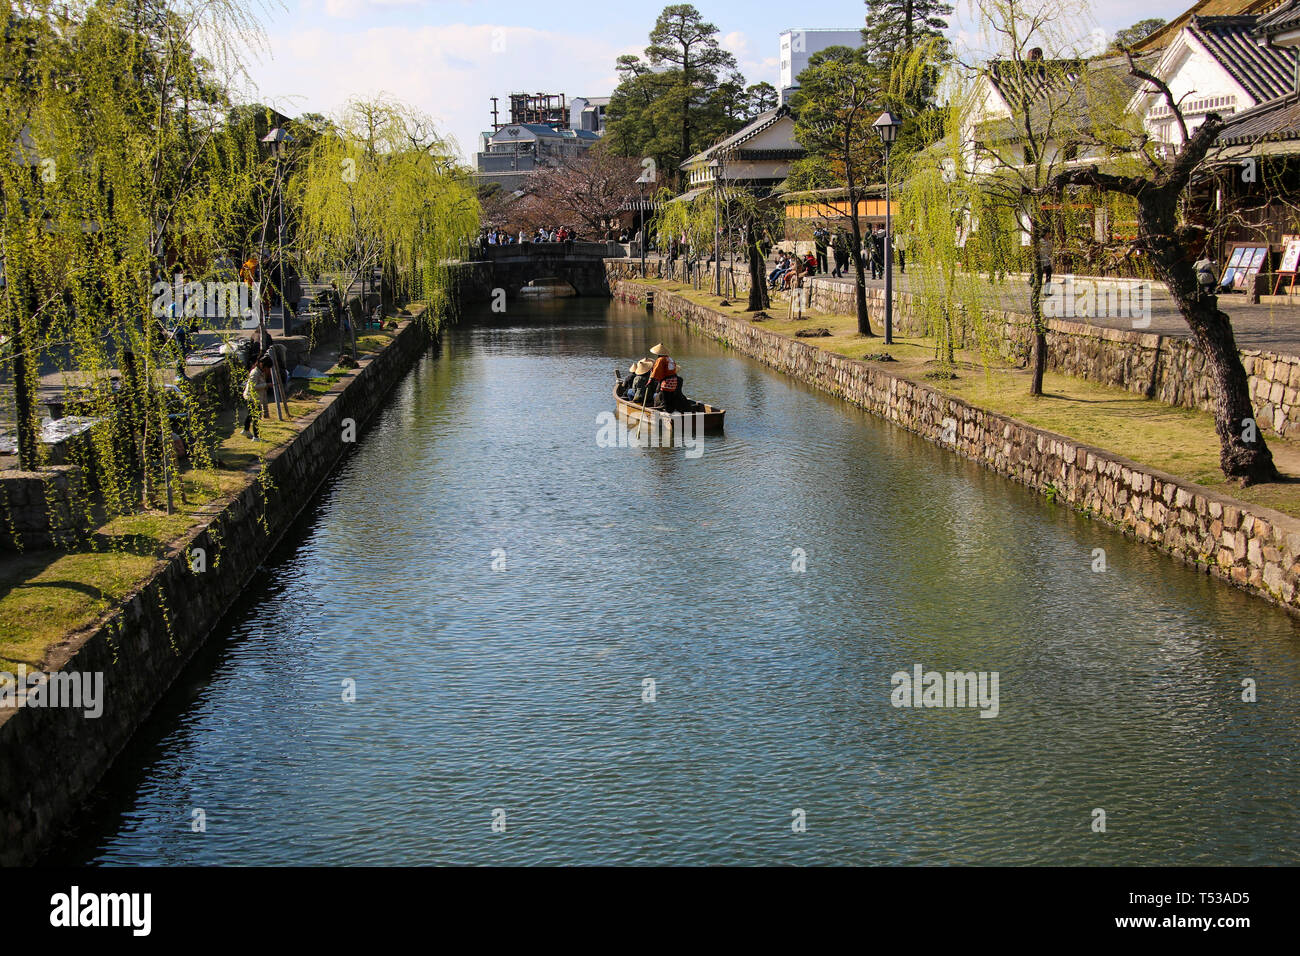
1162	87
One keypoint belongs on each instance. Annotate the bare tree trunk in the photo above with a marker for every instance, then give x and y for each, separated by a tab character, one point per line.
859	279
1243	453
757	277
1038	326
26	381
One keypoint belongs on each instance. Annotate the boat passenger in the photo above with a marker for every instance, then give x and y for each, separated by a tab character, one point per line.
670	396
662	368
635	385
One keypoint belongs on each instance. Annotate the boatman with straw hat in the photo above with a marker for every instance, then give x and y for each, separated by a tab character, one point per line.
663	365
667	381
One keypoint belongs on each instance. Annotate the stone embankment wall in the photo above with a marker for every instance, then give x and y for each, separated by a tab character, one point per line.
1172	370
1255	548
40	508
51	758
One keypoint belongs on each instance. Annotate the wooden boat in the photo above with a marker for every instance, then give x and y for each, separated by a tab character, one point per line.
634	414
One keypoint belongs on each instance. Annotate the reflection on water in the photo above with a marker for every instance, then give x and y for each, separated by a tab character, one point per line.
521	688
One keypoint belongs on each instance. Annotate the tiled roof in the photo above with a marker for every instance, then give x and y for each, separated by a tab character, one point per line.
1058	91
1286	16
1263	71
749	131
1036	77
1203	8
1278	119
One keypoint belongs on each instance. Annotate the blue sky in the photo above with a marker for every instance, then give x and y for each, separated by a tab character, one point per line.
449	56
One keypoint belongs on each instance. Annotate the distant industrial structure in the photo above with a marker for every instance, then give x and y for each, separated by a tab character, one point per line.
545	129
797	45
588	112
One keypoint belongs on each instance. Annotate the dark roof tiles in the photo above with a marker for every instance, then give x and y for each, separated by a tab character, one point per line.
1263	71
1278	119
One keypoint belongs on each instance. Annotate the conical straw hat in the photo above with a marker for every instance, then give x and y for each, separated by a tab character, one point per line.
658	350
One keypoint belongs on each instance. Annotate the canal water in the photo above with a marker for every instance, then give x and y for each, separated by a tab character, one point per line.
501	589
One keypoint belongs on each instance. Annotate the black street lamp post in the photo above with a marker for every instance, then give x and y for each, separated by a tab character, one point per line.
279	142
715	167
887	126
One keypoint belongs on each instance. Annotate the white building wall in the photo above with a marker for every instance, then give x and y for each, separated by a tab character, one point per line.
1198	82
797	45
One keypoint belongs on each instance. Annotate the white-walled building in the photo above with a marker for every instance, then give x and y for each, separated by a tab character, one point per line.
797	45
757	157
1214	64
588	113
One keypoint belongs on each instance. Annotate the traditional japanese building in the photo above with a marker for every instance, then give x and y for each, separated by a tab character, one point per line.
756	157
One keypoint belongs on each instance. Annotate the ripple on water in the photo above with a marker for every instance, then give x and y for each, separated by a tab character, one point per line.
521	688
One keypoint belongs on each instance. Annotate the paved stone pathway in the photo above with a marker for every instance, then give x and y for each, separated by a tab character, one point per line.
1270	327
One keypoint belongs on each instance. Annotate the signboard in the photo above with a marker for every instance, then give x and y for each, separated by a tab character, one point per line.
1234	262
1290	256
1243	265
1290	262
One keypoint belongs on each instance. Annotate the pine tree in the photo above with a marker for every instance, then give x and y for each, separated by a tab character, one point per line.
678	98
897	26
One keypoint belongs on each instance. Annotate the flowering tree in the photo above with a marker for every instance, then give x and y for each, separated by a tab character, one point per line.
587	189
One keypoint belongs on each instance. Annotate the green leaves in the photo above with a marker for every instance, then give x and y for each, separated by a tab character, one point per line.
381	188
685	94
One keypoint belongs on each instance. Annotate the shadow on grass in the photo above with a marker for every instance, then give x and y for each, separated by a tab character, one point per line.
16	569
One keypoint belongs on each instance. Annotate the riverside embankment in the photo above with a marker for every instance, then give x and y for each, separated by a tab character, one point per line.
1253	547
549	631
52	757
1164	367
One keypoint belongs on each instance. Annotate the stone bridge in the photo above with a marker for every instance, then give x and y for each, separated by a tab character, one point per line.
582	264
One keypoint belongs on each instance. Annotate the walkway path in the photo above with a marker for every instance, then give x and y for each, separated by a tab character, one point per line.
1268	327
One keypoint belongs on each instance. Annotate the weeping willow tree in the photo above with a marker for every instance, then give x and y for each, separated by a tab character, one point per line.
381	190
122	165
962	240
1042	100
690	222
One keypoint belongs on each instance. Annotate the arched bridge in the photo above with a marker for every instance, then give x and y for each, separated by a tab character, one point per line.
581	264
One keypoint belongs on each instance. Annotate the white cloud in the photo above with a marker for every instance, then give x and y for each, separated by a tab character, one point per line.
736	42
448	71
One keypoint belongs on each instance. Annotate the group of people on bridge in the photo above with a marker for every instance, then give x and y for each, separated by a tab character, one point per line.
499	237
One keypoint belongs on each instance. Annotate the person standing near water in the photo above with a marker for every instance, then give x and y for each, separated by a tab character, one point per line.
255	389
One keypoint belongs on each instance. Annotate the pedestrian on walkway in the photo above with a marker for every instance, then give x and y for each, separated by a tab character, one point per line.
822	241
840	249
1207	276
255	389
1045	259
878	252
